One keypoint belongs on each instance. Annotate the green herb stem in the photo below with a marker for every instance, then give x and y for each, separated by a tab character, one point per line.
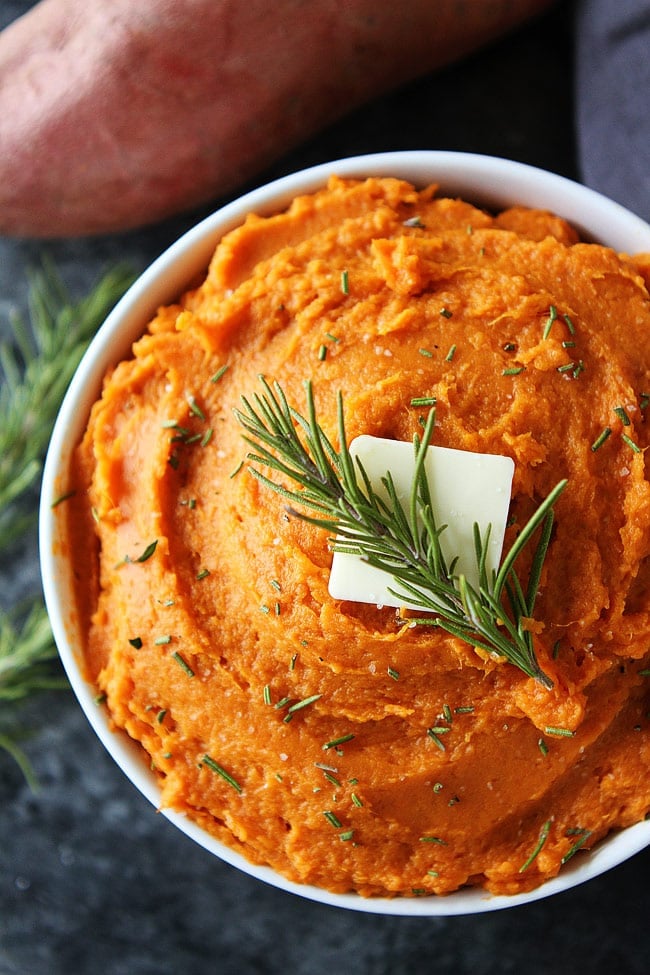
38	357
403	540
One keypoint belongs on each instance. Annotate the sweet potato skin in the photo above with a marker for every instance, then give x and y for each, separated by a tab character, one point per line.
117	115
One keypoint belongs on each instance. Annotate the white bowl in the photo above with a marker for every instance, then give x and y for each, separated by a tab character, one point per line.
486	181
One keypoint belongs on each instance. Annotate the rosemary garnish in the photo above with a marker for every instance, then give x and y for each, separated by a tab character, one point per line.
38	357
583	835
401	540
182	663
299	705
631	444
220	770
601	438
335	742
147	553
543	836
332	819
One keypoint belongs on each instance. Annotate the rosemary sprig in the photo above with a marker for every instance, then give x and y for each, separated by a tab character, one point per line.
36	366
401	540
37	360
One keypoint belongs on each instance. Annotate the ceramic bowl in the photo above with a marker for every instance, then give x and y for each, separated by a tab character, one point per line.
486	181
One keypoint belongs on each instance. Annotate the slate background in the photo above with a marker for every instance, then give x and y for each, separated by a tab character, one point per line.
91	879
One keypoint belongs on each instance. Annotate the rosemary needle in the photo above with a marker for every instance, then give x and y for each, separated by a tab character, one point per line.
401	540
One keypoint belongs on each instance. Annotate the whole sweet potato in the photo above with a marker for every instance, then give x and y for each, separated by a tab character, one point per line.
117	114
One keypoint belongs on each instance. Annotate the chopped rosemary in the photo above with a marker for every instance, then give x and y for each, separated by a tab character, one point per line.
219	373
345	282
433	735
332	779
628	440
182	663
569	324
299	705
61	498
335	742
552	316
446	313
148	552
393	673
220	770
136	642
621	413
601	438
513	371
559	732
403	540
543	836
450	355
332	819
583	835
195	408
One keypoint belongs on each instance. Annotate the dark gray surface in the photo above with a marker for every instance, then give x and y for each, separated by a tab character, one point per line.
613	77
92	880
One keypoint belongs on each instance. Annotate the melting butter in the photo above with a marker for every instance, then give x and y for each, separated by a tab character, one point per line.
465	487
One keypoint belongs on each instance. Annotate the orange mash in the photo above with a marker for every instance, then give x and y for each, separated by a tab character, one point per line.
416	765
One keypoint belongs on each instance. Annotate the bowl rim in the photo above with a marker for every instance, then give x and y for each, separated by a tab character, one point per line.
488	181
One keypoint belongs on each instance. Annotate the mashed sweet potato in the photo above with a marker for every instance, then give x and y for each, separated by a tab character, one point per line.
416	765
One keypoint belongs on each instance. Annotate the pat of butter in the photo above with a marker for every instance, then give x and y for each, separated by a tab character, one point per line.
465	488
